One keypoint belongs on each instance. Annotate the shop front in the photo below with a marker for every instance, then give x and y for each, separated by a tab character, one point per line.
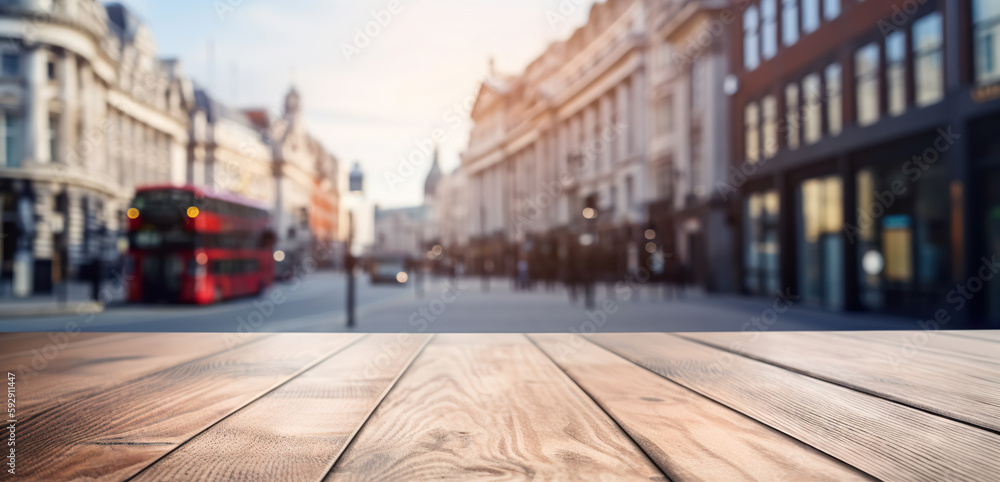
905	236
986	155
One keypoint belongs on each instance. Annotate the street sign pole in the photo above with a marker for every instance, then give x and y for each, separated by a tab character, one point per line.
349	266
355	184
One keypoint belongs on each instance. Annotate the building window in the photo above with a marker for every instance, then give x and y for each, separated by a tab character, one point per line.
820	241
627	118
664	115
11	65
751	122
664	180
751	38
789	21
792	115
895	75
812	113
834	99
50	70
769	127
664	56
928	60
810	15
769	28
698	81
866	74
53	137
12	138
597	140
696	161
831	9
761	249
629	194
986	20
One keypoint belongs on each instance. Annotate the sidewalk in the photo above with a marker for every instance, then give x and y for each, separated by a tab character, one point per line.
77	300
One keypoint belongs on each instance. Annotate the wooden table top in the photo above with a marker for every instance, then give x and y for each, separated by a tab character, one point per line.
719	406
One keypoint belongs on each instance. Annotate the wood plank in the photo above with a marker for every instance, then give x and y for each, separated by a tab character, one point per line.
989	335
114	432
14	342
17	345
63	367
690	437
296	431
878	436
492	406
962	348
925	380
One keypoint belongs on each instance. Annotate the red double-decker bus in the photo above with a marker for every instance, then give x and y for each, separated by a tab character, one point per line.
189	245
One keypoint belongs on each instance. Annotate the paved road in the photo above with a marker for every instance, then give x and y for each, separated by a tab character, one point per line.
467	308
317	305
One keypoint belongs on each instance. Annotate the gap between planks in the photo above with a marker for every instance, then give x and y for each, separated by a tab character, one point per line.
274	387
608	414
700	438
378	402
489	405
878	436
891	389
162	408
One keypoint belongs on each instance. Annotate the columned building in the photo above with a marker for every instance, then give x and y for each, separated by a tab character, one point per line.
305	179
451	216
88	113
865	138
568	133
226	152
688	152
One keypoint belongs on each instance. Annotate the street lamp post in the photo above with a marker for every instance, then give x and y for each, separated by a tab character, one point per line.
356	179
349	266
418	266
589	240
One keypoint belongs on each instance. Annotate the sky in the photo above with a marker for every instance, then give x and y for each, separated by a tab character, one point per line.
367	98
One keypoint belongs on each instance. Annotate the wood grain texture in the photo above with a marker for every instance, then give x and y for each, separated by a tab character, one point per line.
489	406
690	437
968	392
62	367
990	335
112	433
878	436
17	342
296	431
960	349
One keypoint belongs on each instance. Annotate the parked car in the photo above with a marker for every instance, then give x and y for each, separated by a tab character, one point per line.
389	268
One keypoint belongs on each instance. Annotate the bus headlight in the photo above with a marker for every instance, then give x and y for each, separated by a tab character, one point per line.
402	277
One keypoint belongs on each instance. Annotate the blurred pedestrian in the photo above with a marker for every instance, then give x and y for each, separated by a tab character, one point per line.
523	280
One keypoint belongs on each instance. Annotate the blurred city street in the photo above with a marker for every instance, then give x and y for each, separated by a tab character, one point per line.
317	304
734	148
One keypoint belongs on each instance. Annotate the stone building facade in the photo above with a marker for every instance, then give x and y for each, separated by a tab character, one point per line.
89	112
227	152
688	149
306	213
567	134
